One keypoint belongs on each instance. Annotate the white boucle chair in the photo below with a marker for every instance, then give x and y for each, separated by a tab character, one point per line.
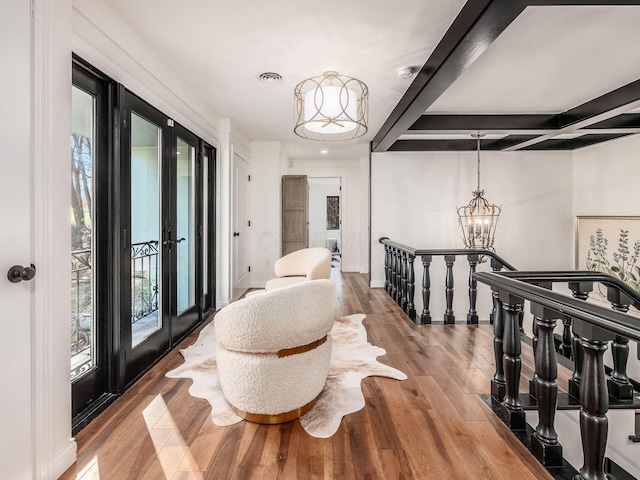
300	266
273	350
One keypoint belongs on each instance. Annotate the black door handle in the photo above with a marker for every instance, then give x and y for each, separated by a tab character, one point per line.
236	234
181	240
18	273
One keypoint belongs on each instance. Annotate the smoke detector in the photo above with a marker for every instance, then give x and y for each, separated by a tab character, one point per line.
270	77
406	72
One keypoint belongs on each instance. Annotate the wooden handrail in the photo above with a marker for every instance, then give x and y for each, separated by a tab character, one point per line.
447	251
602	317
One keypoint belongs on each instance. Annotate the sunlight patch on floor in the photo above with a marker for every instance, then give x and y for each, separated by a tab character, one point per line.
172	452
91	471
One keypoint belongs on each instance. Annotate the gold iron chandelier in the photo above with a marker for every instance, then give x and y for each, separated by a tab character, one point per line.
331	107
479	219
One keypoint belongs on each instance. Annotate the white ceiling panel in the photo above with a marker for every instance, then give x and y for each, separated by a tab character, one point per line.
550	59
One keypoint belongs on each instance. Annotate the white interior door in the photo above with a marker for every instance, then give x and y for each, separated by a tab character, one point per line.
239	248
15	243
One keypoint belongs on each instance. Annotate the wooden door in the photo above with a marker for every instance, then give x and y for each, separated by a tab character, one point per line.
295	213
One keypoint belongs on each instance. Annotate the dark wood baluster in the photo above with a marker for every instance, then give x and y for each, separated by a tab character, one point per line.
392	273
534	332
403	300
534	340
411	288
581	291
544	442
498	382
398	277
619	385
425	316
511	409
387	267
594	400
449	317
496	266
567	338
401	279
578	364
472	316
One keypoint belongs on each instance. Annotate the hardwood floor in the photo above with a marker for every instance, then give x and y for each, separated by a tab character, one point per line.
432	425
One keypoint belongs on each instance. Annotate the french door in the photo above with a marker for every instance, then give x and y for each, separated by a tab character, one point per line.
161	225
143	192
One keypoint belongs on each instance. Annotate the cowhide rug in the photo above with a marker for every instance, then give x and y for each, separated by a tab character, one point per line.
352	359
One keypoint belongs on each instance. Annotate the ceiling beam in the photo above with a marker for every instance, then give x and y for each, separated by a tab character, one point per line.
475	28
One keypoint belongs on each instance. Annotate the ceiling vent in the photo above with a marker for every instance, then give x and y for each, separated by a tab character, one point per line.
270	77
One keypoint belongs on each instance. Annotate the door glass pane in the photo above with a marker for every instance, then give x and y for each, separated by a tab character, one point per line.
205	223
83	348
145	229
185	226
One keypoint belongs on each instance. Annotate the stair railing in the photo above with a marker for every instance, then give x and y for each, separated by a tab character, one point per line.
587	330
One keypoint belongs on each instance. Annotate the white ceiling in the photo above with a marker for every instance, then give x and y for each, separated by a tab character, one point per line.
220	47
548	60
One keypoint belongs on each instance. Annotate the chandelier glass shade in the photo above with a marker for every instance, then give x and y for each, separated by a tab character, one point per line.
479	219
331	107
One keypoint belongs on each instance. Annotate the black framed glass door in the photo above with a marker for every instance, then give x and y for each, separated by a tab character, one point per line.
143	243
160	220
90	267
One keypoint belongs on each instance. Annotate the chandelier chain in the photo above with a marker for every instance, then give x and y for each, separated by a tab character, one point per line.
478	163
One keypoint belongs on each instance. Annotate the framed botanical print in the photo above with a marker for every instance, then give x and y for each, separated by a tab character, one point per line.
610	245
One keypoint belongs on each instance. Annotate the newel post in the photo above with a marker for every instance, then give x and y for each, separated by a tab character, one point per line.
511	409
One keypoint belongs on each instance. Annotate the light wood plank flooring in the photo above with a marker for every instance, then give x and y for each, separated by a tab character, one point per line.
433	425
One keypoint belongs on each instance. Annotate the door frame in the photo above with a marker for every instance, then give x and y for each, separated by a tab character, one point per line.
238	288
85	389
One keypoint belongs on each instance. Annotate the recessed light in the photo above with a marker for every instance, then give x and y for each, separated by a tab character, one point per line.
324	152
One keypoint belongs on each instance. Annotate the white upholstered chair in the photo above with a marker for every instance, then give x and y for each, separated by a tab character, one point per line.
300	266
273	350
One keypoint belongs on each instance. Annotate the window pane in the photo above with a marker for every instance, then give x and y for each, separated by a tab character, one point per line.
145	228
185	226
83	358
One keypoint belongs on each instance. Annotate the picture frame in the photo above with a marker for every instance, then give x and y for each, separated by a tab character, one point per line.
333	212
601	243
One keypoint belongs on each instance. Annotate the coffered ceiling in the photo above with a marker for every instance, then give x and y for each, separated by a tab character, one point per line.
537	75
528	74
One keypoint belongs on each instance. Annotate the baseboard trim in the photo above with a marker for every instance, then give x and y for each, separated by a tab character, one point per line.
65	458
376	284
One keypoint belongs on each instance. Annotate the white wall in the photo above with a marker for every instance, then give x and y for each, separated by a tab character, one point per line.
605	182
353	209
414	200
319	190
268	162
